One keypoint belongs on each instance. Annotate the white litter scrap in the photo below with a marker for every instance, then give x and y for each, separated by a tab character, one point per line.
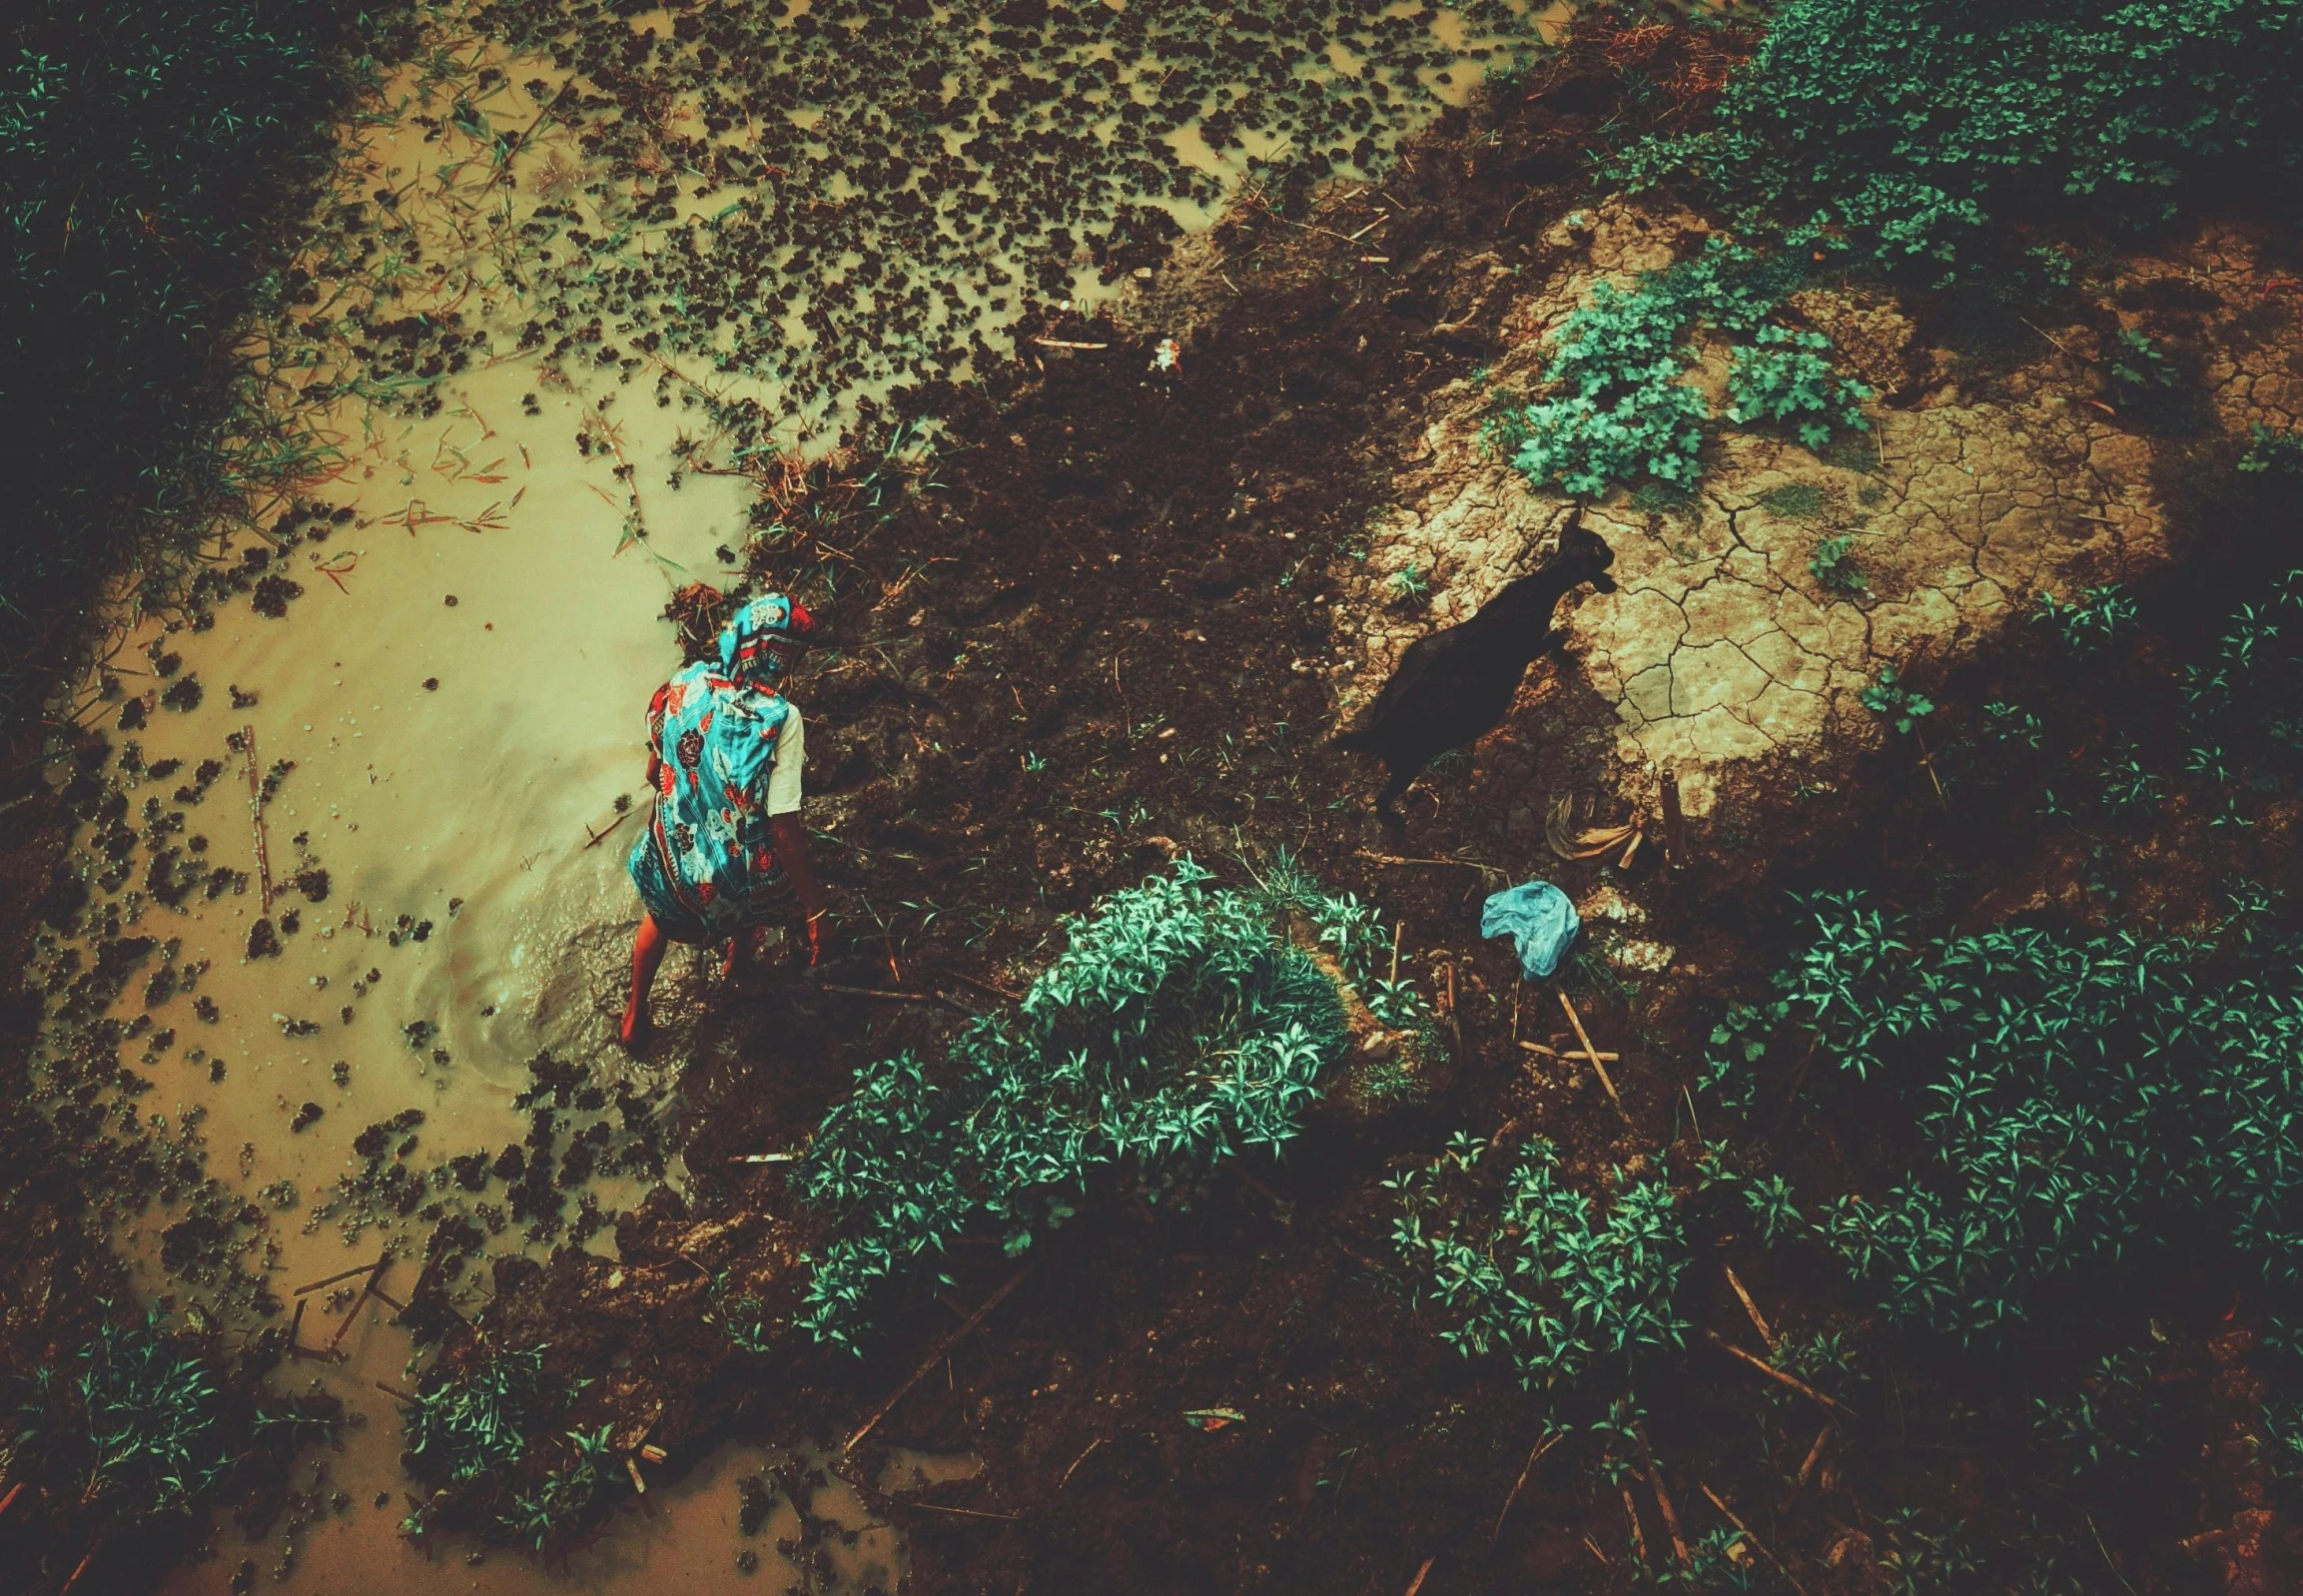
1166	355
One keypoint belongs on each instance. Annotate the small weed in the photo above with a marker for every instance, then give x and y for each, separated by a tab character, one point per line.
2093	619
1782	377
1886	698
1409	589
2137	368
1836	571
1794	502
2270	450
2013	725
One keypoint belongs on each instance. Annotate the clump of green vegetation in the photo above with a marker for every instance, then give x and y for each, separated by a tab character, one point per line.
141	1428
2013	725
2156	1067
1615	408
2093	619
1834	569
475	1420
2139	369
1179	1026
1900	130
2270	450
1794	502
1547	1275
1888	698
1782	377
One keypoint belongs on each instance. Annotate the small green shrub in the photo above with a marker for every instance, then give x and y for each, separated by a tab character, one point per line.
1780	376
1888	699
2269	450
1836	571
2013	725
1905	130
1178	1027
2081	1100
564	1499
2139	370
2094	620
475	1420
139	1427
1547	1275
1615	408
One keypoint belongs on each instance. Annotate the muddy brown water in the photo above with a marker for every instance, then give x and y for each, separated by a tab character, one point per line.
459	689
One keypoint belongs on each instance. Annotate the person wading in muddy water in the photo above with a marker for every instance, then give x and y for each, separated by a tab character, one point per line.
724	852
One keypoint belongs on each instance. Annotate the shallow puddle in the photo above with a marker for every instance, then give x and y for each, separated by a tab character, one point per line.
450	718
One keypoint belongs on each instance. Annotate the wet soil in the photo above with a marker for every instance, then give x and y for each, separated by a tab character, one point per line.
1103	630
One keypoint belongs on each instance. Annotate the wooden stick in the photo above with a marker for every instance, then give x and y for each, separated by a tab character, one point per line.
1534	1456
1638	1536
396	1392
1745	1530
1775	1375
66	1587
1067	344
1592	1054
1751	1307
964	1512
256	816
9	1500
1421	1575
1662	1499
1463	864
765	1157
1674	823
1399	932
1077	1461
935	1357
376	1275
1815	1454
985	987
632	1467
332	1279
1572	1053
1517	982
936	998
593	837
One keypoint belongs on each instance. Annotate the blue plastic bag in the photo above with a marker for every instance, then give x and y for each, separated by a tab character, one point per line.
1539	918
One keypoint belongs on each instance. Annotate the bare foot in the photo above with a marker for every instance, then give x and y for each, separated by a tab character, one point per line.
637	1029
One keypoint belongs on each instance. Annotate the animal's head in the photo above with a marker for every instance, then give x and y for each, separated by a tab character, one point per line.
1582	549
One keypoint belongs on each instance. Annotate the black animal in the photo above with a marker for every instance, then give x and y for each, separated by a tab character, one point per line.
1455	686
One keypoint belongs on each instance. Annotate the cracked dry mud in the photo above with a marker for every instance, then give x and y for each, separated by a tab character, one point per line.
1721	648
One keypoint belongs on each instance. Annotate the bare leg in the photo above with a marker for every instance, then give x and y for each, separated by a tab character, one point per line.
749	941
648	947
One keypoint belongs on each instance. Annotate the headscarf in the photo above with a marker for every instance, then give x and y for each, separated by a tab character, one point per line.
764	638
715	731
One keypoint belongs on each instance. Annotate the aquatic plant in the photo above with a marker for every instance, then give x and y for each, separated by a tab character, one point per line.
475	1418
1178	1027
139	1425
1540	1272
1899	131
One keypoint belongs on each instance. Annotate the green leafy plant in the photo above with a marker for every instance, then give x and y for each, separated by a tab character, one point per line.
2093	620
1539	1271
2080	1099
1834	569
1888	699
1780	376
2013	725
1901	131
476	1419
1178	1027
1614	407
2139	369
139	1425
2272	450
1408	586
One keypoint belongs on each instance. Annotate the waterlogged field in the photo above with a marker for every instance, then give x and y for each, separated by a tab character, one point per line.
374	783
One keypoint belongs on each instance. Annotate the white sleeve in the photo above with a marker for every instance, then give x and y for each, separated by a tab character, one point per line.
791	754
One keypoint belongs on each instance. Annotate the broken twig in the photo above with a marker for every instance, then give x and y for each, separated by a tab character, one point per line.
1592	1054
937	1356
